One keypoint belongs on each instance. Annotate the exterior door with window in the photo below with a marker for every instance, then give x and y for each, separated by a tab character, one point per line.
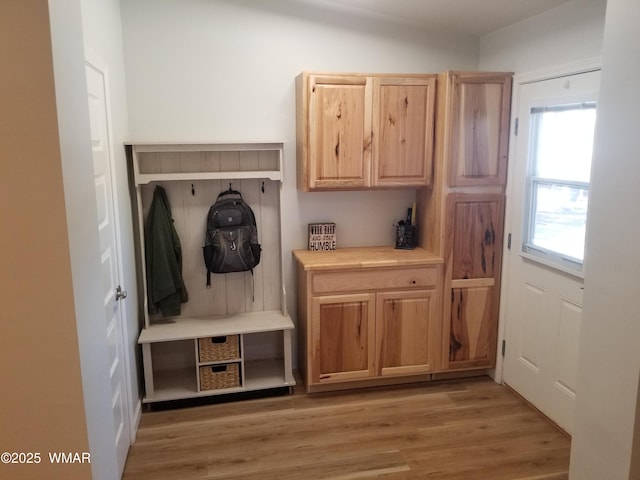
549	196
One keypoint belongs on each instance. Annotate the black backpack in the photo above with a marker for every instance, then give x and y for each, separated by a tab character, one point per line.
231	240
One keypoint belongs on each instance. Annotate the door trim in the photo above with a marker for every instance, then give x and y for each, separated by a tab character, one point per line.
571	68
134	410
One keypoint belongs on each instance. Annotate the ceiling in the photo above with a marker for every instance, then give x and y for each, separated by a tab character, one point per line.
471	17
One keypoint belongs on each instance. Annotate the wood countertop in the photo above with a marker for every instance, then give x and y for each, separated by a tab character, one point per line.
364	257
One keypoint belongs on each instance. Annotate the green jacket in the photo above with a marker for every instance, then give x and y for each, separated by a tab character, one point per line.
163	252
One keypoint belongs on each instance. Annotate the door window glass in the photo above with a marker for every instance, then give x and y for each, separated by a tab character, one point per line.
558	182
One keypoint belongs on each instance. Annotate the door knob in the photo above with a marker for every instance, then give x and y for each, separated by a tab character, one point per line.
120	293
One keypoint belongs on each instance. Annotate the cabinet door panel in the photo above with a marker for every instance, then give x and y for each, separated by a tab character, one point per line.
403	122
406	339
473	328
343	336
479	134
475	230
339	132
474	237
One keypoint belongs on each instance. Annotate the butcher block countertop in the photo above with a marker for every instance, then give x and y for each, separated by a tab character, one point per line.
364	257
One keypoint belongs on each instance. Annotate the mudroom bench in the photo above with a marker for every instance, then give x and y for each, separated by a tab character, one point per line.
235	336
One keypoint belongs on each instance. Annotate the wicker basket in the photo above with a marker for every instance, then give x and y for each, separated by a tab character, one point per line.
215	377
218	349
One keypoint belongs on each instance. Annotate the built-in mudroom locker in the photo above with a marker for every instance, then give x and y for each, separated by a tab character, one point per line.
231	337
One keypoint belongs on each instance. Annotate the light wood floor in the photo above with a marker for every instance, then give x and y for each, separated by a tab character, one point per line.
469	429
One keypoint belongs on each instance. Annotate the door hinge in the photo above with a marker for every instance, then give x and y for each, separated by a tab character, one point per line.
504	346
509	242
120	293
515	127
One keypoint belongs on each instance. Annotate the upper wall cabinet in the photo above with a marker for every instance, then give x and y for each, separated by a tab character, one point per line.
475	131
364	131
403	122
336	133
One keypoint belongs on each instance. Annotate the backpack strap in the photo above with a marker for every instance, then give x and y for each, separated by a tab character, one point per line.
253	287
229	192
208	278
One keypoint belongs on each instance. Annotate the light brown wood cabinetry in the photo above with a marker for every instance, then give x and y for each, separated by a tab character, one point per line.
364	131
475	233
405	326
342	346
403	123
368	314
475	133
464	211
473	275
338	132
376	131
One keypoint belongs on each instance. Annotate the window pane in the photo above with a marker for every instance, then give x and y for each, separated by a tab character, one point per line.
563	137
559	218
559	174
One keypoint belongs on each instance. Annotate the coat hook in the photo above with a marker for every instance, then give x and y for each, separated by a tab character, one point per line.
193	190
262	188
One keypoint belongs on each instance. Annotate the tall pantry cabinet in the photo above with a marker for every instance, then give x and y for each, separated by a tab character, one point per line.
464	211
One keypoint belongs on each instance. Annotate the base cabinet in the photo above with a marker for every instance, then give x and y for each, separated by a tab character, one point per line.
368	324
343	329
405	323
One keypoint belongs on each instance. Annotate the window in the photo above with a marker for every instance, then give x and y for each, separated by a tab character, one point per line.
558	182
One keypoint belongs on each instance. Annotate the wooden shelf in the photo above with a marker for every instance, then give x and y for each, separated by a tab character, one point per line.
145	178
215	326
155	155
261	374
205	146
173	385
180	384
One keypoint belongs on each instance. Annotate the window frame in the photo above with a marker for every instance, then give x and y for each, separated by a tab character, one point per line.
529	250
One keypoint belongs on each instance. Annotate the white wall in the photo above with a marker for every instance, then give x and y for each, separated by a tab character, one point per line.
570	32
81	211
606	406
102	30
225	71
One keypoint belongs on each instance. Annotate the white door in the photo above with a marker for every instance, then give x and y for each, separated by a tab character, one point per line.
549	188
112	292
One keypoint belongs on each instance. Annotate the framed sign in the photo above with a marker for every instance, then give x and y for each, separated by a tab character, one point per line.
322	236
